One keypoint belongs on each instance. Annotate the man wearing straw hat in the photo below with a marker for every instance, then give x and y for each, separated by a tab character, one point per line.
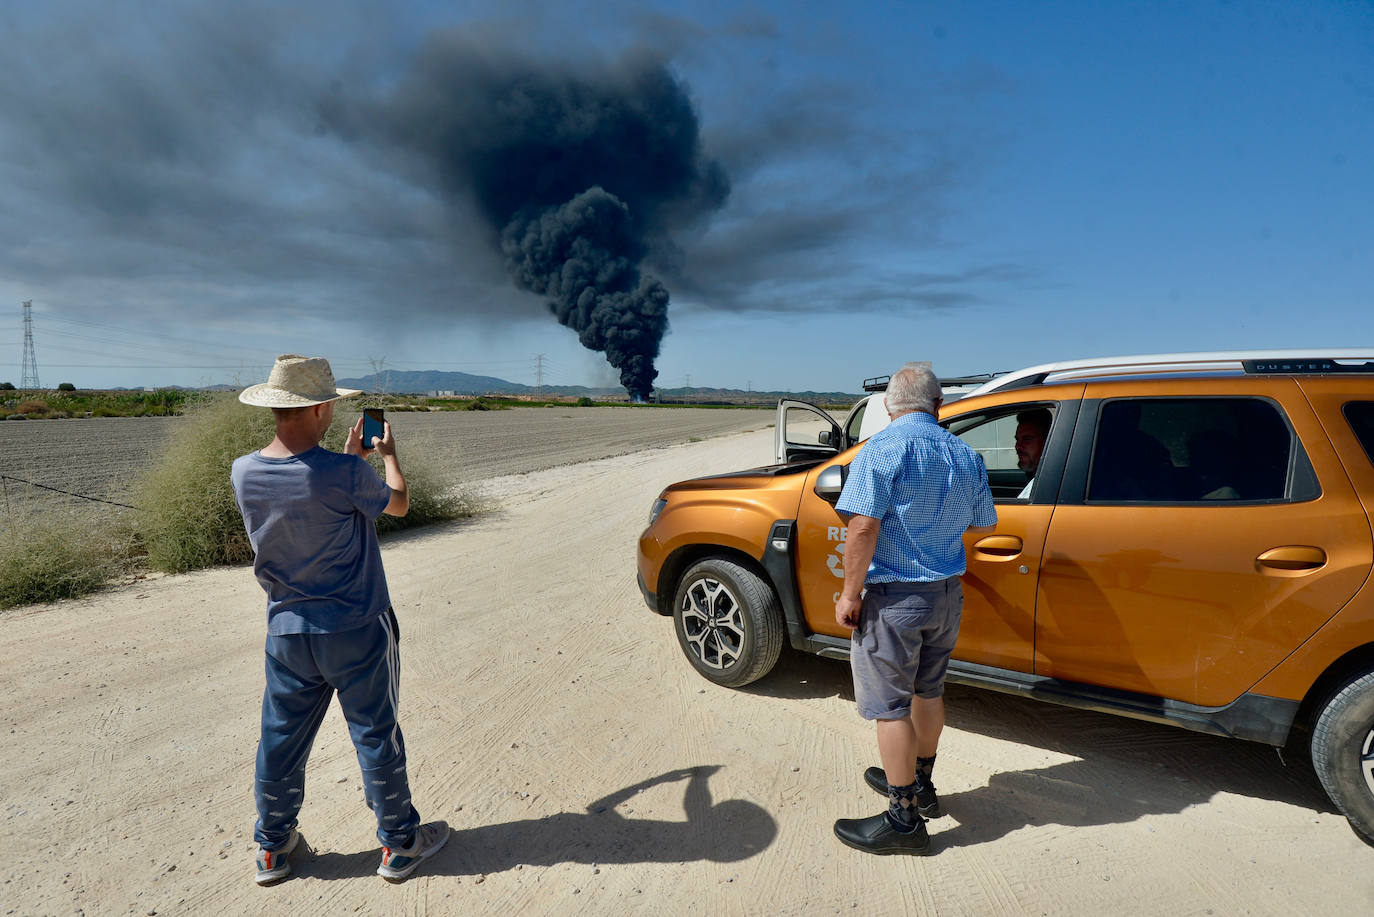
310	516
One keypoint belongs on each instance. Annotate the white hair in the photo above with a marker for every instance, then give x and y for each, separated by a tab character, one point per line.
913	388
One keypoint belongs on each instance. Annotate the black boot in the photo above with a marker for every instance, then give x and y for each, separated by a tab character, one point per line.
876	835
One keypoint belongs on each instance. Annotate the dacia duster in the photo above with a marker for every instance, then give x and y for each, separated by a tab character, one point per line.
1194	548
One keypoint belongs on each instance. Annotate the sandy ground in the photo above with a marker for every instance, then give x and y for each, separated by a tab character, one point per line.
586	769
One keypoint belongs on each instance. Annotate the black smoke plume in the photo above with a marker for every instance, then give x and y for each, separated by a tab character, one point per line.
582	171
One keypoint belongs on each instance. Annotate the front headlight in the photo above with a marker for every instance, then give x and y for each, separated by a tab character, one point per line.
656	509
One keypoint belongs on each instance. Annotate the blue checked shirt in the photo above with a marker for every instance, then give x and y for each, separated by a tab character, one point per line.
925	486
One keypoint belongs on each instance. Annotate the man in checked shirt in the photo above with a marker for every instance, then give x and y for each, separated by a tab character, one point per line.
911	493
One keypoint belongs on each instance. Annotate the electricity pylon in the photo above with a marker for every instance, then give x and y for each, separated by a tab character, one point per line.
28	380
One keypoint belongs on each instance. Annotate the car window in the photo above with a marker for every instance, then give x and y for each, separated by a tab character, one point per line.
851	431
1360	416
805	426
1197	450
993	436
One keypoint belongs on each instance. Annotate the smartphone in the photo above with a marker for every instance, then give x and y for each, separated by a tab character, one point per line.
372	426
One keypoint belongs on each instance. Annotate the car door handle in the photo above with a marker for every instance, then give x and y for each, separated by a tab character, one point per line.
999	545
1292	557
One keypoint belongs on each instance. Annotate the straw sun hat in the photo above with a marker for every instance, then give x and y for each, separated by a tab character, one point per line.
296	382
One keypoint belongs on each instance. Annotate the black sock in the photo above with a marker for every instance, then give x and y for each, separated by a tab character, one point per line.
924	768
901	808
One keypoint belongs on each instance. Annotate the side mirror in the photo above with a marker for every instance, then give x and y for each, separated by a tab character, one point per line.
823	438
830	482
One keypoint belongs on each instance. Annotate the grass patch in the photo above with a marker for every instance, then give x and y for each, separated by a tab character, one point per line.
75	403
51	557
189	519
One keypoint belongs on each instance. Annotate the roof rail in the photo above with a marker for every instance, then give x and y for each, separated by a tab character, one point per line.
879	383
975	379
876	384
1314	361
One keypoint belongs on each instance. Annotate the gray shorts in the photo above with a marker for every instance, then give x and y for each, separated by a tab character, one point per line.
902	645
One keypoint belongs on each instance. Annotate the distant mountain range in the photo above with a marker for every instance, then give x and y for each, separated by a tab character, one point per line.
467	384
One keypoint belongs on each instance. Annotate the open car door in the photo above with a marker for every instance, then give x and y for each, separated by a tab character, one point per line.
804	432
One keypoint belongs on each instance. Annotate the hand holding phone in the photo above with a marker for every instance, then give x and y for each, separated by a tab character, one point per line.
373	426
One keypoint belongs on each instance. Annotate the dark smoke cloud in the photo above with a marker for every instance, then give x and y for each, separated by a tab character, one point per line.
330	165
583	256
582	171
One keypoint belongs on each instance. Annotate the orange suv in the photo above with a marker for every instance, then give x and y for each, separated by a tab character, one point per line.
1194	548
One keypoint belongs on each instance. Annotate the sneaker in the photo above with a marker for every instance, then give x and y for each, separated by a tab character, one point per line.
927	803
276	864
399	862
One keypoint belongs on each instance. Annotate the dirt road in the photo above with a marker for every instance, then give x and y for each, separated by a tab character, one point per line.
586	769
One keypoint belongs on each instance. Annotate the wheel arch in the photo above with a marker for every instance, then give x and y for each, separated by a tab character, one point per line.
1343	670
685	556
731	629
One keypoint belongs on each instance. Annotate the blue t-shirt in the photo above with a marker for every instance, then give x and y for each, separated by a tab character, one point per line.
925	486
310	519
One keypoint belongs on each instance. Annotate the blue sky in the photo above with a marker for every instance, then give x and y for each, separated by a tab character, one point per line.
986	185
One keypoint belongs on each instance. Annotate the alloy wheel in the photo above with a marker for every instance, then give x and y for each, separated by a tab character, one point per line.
1367	760
713	623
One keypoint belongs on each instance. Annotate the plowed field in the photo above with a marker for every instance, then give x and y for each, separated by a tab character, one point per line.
101	457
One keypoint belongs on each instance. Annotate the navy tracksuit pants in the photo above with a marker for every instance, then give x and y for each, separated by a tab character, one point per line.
303	672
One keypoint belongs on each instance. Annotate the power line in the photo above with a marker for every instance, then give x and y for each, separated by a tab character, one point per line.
141	347
252	356
58	490
118	342
153	366
335	360
256	354
142	335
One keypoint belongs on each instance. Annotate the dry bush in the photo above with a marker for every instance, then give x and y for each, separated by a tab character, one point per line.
31	407
62	556
433	495
190	519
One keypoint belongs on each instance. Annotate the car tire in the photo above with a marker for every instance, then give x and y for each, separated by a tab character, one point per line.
728	622
1343	752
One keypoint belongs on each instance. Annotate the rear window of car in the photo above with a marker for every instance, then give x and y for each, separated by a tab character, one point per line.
1360	416
1197	450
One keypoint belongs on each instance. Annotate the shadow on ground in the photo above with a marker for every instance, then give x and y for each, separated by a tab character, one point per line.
1093	792
1126	769
800	675
721	832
